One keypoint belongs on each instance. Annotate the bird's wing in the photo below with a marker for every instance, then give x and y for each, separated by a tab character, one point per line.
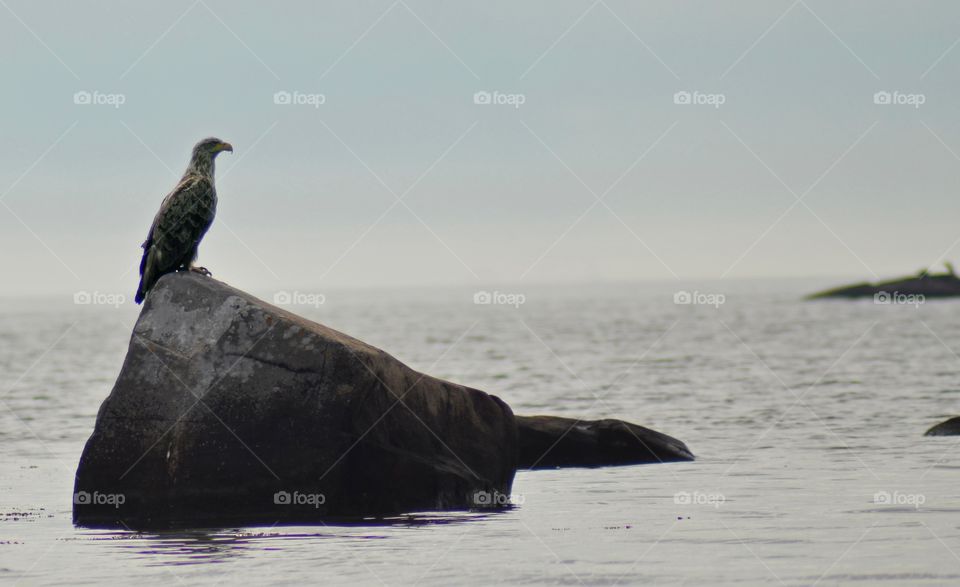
184	217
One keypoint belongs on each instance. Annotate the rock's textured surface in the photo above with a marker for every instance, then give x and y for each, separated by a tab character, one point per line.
231	411
550	441
949	427
228	409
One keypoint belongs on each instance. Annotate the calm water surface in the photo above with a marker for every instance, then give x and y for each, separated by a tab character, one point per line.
806	418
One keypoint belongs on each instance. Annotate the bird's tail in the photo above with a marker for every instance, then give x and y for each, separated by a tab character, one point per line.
142	289
144	274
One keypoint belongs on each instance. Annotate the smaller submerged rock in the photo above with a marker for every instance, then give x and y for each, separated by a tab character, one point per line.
950	427
551	441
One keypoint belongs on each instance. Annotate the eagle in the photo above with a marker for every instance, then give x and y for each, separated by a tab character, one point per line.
184	217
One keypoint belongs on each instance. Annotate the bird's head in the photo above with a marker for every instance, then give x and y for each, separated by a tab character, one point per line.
204	154
211	147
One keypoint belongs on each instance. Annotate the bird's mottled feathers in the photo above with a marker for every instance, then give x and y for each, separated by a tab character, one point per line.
184	217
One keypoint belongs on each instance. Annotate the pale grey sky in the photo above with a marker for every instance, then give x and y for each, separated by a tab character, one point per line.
490	193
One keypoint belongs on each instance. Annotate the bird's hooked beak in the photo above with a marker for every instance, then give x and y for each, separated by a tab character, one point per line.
224	147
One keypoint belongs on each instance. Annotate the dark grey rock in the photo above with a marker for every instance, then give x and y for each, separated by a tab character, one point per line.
949	427
550	441
230	411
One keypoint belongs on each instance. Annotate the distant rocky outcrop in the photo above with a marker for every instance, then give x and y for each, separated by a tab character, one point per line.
949	427
229	410
925	284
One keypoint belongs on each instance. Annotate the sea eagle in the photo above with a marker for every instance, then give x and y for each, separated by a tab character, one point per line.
184	217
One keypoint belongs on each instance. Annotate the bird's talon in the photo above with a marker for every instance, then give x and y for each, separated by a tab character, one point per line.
201	270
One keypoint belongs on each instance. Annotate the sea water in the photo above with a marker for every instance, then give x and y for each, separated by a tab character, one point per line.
807	420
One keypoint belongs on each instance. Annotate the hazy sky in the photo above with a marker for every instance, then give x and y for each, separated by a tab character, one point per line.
490	193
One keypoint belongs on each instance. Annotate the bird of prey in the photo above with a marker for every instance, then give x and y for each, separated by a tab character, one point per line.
184	217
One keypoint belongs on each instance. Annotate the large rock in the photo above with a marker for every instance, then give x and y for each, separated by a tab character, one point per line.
229	410
949	427
550	441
